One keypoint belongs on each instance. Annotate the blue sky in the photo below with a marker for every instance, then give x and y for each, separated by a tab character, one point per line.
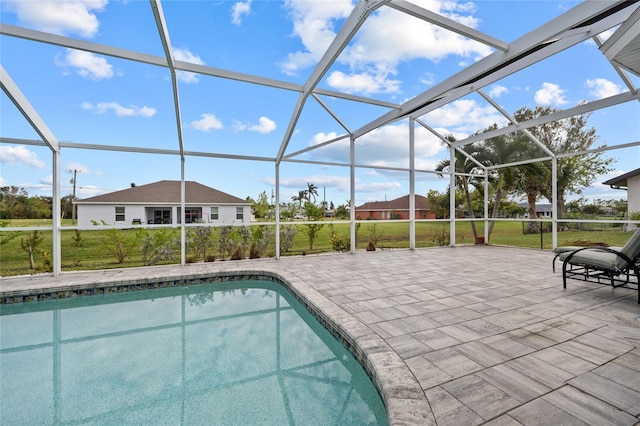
93	99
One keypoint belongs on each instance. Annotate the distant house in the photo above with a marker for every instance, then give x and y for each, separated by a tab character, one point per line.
542	210
395	209
631	183
159	203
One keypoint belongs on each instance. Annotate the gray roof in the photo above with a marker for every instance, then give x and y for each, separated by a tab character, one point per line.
542	207
167	191
622	179
401	203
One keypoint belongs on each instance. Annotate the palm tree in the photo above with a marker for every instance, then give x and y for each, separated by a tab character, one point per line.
465	165
499	151
312	190
302	195
567	136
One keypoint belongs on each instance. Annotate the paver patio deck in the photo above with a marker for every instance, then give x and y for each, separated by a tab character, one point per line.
454	336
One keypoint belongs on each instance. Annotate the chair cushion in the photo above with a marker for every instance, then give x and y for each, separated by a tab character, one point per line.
595	258
632	247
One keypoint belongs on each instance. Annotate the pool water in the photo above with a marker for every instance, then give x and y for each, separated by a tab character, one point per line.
237	353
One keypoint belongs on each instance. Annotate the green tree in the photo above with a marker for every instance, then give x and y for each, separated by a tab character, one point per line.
30	244
438	203
498	151
5	237
261	207
465	164
312	230
77	242
12	202
567	136
313	213
342	211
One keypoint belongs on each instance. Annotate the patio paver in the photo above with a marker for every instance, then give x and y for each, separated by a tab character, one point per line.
452	336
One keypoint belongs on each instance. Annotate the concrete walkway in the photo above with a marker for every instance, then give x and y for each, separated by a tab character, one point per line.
453	336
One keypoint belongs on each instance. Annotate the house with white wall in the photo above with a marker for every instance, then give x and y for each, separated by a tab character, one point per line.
631	183
160	203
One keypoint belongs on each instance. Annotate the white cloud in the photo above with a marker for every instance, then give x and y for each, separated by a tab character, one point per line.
387	146
314	23
372	187
60	17
120	111
497	90
86	191
3	181
364	83
79	168
338	184
266	125
86	64
240	8
19	155
391	37
464	117
428	79
388	38
185	55
207	122
550	94
601	88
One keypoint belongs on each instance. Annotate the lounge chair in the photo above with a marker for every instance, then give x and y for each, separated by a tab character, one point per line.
605	265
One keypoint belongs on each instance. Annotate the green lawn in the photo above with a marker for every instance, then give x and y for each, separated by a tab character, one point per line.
94	252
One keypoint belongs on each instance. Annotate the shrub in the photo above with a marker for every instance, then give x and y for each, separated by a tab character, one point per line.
287	234
337	242
238	253
254	253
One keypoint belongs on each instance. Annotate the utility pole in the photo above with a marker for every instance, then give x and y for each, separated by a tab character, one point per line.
73	198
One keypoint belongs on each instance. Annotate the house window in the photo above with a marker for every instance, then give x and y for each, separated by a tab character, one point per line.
214	213
239	213
119	214
161	216
193	215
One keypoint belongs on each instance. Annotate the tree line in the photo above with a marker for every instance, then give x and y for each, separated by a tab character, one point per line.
16	203
527	180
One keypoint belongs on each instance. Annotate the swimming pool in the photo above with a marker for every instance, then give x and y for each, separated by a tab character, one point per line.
235	353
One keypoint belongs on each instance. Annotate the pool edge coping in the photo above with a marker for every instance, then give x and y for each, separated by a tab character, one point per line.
402	395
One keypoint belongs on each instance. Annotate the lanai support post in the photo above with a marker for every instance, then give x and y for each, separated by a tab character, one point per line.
352	193
412	184
452	196
486	206
554	202
183	243
277	213
55	214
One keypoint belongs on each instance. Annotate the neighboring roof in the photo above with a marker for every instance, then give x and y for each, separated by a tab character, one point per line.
401	203
622	179
542	207
166	191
